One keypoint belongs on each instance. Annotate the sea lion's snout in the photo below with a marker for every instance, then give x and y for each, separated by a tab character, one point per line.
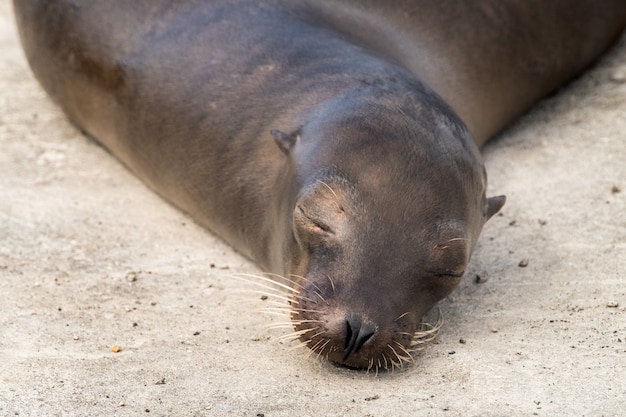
356	327
353	340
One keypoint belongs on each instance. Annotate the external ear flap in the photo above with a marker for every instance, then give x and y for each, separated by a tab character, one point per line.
494	204
284	141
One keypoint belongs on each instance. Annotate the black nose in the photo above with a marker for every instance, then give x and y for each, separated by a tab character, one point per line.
357	333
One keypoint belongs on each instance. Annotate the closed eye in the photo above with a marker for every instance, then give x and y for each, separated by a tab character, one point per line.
315	223
450	274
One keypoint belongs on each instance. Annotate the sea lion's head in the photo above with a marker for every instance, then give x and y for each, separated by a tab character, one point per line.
390	205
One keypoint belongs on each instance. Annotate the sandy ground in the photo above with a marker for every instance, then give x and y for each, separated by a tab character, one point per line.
89	259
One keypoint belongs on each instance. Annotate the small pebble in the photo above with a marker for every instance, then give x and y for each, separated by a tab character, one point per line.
612	304
481	279
523	263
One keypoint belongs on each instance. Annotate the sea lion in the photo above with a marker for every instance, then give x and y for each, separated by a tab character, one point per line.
335	143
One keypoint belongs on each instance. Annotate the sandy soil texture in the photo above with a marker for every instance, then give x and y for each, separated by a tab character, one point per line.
90	259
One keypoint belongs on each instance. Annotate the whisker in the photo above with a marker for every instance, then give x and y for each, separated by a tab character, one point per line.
330	188
443	244
315	348
407	357
393	362
288	324
289	278
398	357
293	335
248	278
332	283
305	310
373	364
279	295
269	289
276	307
402	315
299	322
277	303
420	338
455	239
316	334
321	349
273	297
286	340
283	325
264	290
253	279
305	279
301	344
274	313
320	296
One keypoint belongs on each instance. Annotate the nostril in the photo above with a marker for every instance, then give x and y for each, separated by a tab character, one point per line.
357	333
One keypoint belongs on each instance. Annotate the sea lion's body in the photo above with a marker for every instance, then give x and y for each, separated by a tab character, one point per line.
374	197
